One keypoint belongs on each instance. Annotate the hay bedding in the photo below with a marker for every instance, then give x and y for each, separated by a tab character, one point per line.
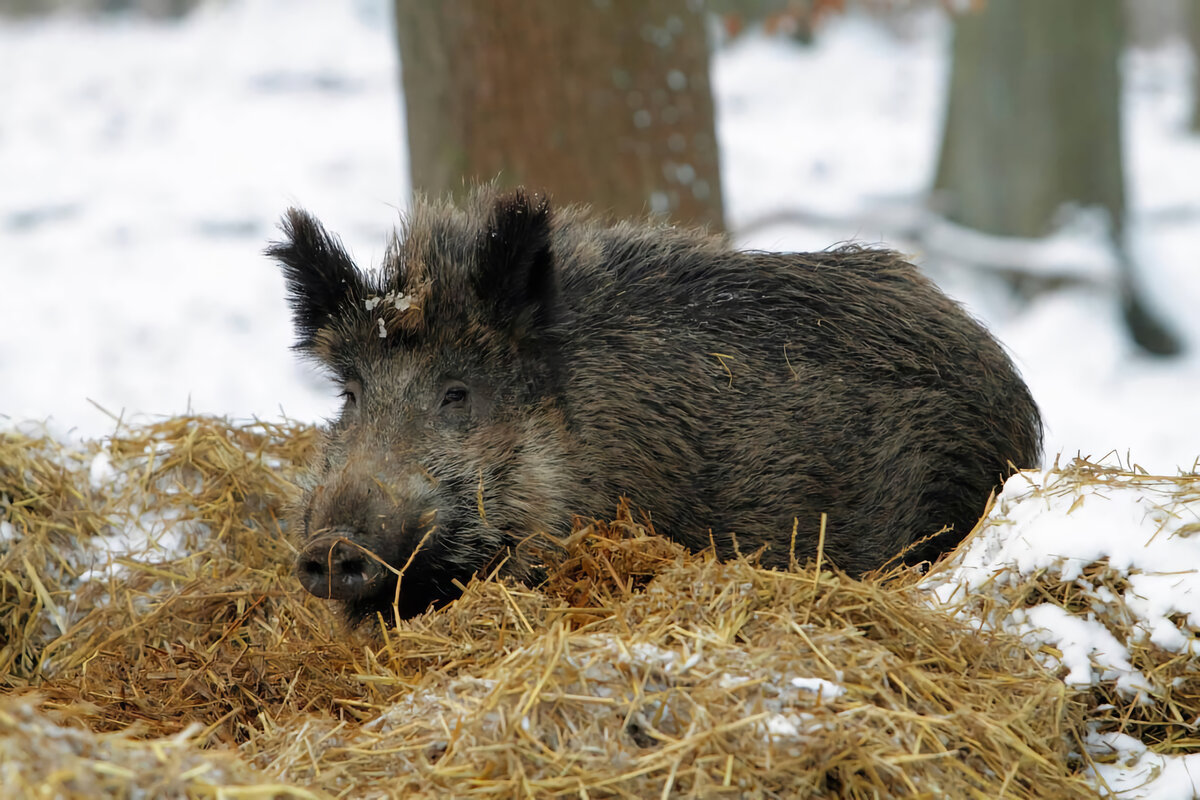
153	643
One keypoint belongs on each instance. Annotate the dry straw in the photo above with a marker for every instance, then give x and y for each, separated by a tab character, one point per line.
200	669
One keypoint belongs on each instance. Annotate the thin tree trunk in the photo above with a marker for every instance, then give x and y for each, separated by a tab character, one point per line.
1034	125
605	102
1034	116
1193	17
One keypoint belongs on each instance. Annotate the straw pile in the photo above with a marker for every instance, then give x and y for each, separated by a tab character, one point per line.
190	663
1128	590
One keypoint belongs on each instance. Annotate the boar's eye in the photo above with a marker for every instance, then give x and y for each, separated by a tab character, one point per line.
351	390
455	396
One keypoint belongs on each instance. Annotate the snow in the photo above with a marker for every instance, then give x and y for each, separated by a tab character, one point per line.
818	686
101	471
1087	650
146	164
790	726
1138	774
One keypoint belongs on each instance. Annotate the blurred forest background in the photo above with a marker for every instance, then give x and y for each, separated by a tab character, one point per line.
612	103
608	102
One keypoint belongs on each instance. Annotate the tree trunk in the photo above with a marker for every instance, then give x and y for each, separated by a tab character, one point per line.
1034	116
1193	19
1033	124
605	102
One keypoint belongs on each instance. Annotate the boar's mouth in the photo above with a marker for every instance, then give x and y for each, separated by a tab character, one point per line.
333	566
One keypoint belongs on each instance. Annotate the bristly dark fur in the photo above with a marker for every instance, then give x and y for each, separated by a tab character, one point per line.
320	275
516	267
514	367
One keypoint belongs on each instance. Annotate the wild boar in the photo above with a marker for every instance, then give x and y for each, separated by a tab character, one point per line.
509	367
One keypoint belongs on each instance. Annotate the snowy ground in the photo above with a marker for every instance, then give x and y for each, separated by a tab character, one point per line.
143	166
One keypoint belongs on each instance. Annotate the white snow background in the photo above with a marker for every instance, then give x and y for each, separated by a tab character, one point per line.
143	166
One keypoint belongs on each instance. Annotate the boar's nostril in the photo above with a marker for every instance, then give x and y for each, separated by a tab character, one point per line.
331	567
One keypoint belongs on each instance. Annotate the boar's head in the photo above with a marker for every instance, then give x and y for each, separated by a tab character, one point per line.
447	458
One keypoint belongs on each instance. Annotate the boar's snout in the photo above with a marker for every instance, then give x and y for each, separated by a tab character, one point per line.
333	567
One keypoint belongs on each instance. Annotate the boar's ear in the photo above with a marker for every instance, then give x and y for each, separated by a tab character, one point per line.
516	268
320	276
